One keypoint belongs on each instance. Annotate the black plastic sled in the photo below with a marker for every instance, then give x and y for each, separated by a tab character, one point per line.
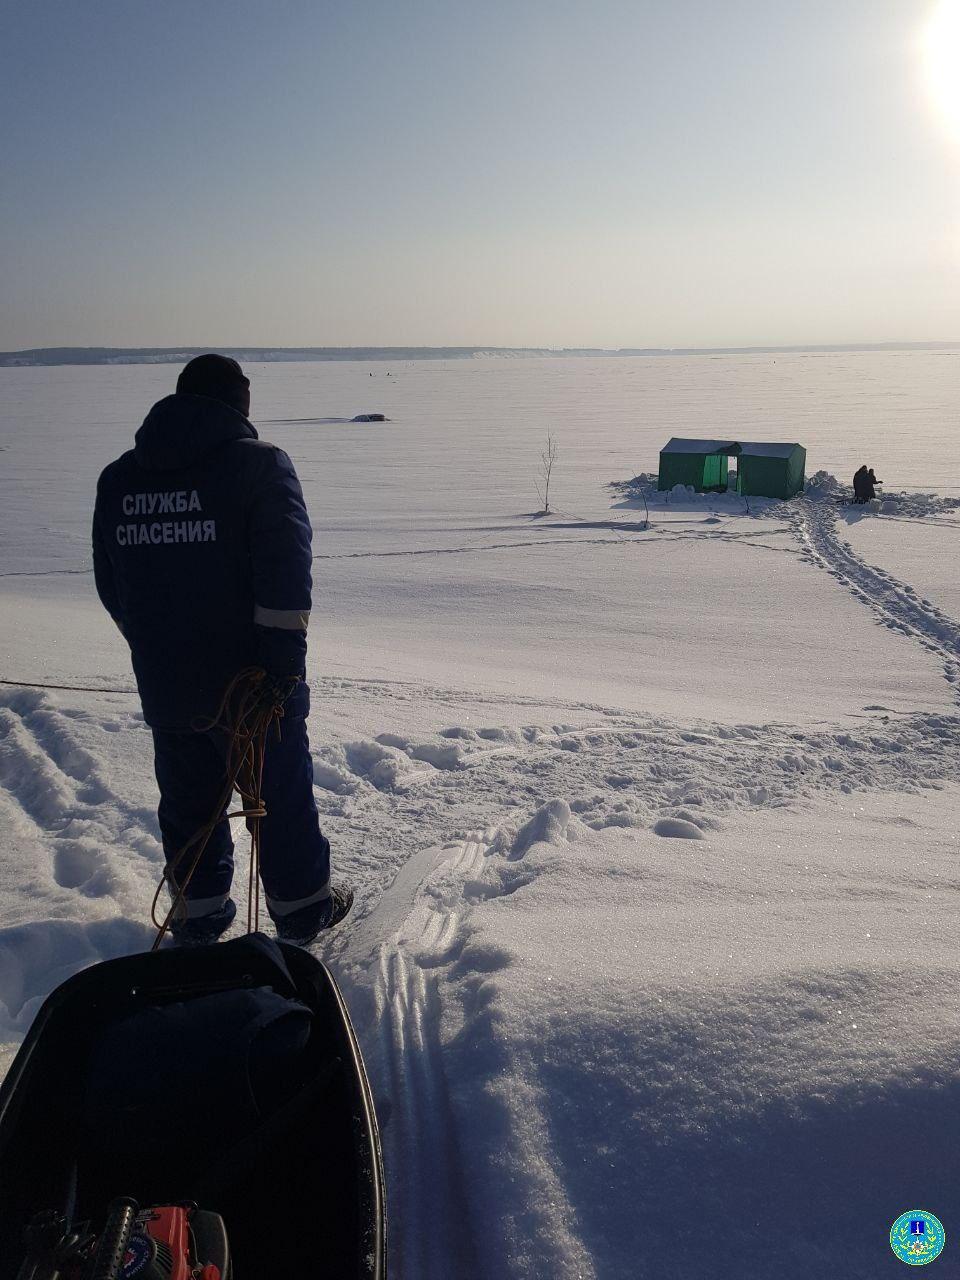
228	1076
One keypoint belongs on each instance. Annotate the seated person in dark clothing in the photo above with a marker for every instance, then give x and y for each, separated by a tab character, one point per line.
870	485
860	483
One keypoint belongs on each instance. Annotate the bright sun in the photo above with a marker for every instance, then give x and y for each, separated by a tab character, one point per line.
941	52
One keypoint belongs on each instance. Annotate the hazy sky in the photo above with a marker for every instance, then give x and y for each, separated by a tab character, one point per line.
538	172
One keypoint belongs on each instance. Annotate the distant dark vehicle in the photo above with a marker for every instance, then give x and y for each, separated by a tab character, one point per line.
369	417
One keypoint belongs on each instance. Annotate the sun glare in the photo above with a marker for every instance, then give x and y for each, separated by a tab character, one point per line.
941	51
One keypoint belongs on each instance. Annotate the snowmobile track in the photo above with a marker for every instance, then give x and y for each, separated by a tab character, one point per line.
55	789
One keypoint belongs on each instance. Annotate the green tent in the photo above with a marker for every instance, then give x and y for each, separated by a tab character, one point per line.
764	470
771	470
701	463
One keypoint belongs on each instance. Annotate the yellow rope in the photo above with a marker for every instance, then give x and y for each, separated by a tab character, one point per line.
245	717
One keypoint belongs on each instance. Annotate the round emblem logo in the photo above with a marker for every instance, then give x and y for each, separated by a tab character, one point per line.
917	1237
139	1253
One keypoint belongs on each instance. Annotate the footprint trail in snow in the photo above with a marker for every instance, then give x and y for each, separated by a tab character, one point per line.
896	604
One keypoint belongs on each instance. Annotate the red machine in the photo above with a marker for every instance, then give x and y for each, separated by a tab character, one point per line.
166	1242
163	1245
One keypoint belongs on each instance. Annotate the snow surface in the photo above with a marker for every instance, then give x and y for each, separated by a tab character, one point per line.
651	805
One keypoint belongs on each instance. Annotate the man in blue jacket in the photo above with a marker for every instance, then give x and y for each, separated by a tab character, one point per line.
202	556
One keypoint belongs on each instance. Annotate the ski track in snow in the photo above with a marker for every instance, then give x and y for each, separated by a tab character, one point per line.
897	605
428	1233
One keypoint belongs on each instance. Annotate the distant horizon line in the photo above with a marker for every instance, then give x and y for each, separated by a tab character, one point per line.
50	356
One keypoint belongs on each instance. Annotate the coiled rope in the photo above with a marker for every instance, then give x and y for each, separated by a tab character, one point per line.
249	710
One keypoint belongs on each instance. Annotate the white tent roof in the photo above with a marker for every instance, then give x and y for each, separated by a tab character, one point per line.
764	450
676	445
750	449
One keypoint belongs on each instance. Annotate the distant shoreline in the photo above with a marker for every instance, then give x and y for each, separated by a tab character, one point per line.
46	356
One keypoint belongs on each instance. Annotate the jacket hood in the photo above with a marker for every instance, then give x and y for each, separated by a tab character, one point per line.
181	429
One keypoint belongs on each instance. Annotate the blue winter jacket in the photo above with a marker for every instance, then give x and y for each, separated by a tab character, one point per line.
201	552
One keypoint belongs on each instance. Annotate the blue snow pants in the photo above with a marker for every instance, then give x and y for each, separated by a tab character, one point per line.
294	853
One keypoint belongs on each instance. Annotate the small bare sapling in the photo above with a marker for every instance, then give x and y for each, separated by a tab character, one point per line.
547	459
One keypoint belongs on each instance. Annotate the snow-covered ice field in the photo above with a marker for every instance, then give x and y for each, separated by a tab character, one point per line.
652	814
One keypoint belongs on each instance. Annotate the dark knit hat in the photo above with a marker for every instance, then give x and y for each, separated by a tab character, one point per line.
218	377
